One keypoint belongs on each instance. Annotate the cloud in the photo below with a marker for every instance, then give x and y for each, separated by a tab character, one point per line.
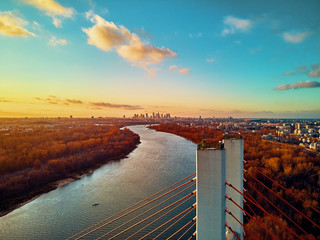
55	42
73	101
198	35
315	72
107	36
52	9
233	25
143	33
184	71
13	26
57	22
172	67
301	84
295	37
289	73
110	105
179	69
210	60
56	100
4	100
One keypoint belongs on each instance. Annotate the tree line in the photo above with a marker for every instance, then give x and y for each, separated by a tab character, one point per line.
34	160
291	166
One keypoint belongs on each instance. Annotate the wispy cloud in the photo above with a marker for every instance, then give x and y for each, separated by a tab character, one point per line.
210	60
107	36
74	101
55	42
301	84
56	100
2	100
295	37
184	71
110	105
172	67
52	9
234	25
179	69
11	25
289	73
197	35
313	71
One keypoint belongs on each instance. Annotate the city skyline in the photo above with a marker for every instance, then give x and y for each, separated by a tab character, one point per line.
187	58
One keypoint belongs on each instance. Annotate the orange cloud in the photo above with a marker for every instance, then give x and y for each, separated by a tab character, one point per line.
106	36
179	69
13	26
184	71
52	9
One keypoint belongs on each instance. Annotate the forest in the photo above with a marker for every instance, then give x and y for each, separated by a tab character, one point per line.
269	164
31	162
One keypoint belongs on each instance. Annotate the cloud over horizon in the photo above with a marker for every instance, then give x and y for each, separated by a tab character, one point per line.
233	25
110	105
52	9
106	36
12	25
301	84
56	100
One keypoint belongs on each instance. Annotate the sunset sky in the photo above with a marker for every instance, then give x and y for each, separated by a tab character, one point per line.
188	58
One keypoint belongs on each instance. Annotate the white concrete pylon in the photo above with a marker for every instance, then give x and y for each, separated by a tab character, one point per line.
211	189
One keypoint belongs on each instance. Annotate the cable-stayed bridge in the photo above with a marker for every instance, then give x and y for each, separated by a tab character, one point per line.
210	204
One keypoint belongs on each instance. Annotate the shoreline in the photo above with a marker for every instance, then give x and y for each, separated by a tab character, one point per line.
19	202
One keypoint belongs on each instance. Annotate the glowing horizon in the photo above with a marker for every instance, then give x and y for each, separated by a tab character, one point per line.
91	58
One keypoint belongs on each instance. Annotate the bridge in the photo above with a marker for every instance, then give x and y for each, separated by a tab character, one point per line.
209	204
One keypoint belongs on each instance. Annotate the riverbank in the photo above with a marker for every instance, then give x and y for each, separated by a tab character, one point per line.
22	200
70	155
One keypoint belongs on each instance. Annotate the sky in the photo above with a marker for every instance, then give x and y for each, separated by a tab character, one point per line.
252	59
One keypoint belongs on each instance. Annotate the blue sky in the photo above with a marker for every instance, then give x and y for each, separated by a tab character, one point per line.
187	58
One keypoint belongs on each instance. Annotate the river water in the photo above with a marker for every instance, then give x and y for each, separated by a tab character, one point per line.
159	161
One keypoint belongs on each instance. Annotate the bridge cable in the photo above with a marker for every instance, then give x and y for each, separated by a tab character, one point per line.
180	229
270	202
127	229
187	230
273	217
313	223
230	213
183	213
286	189
256	220
145	199
158	218
137	208
148	210
234	233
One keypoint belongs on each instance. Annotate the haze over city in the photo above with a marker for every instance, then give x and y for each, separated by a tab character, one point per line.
255	59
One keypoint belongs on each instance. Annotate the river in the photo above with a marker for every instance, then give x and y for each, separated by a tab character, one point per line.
159	161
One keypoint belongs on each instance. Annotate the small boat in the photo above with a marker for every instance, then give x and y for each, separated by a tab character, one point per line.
96	204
